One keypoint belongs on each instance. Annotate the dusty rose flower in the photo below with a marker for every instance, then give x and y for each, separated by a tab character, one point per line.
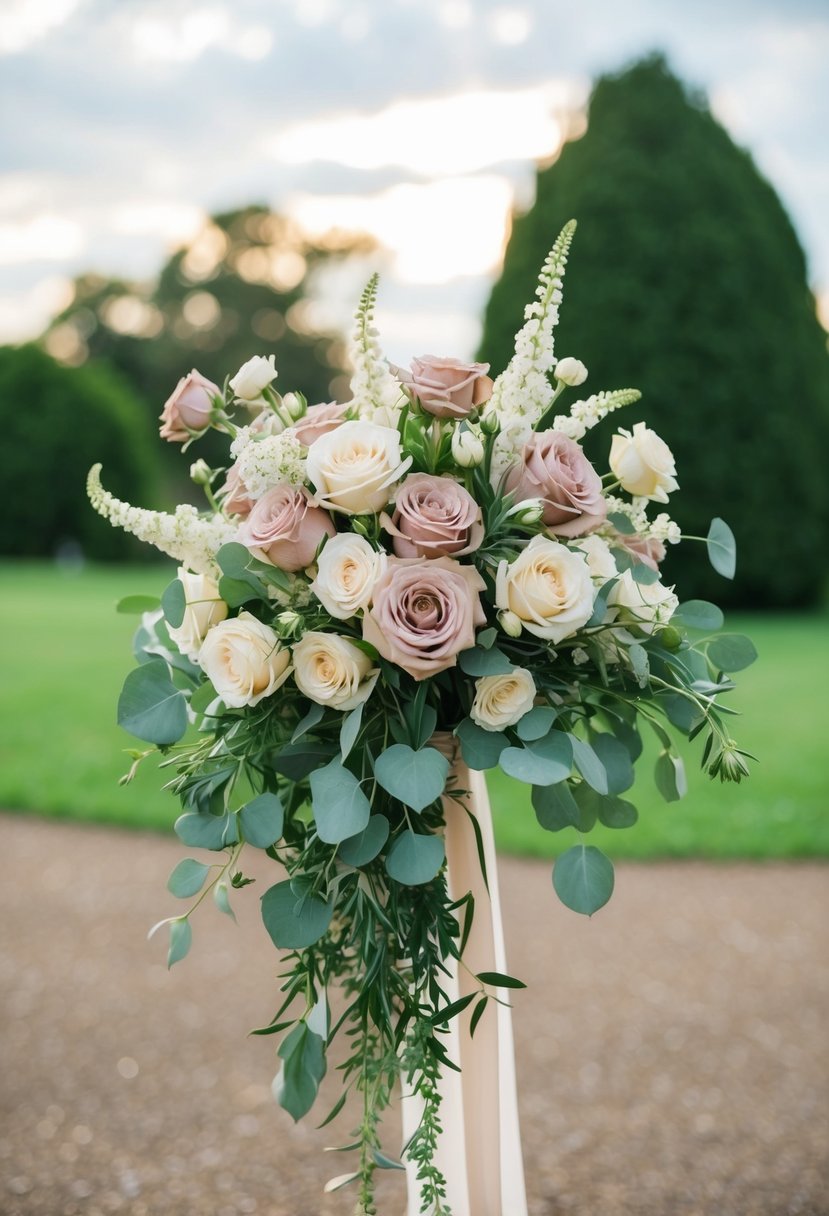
319	420
447	388
424	613
236	498
188	407
556	470
285	528
647	548
434	517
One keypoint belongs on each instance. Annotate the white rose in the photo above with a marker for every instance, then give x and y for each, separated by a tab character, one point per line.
355	467
205	608
643	463
467	448
253	377
644	604
347	570
244	660
600	561
548	588
503	700
333	671
570	371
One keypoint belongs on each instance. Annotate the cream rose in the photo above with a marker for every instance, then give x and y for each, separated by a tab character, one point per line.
331	670
347	569
205	608
647	605
355	467
600	561
244	660
548	587
254	377
501	701
570	371
643	463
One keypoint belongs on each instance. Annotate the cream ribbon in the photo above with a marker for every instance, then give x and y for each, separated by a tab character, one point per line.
479	1153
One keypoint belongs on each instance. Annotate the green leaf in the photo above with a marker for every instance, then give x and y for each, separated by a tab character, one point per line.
262	820
616	812
643	574
296	1084
414	859
481	749
308	722
497	979
294	923
541	762
386	1163
236	592
296	760
589	765
487	637
732	652
722	548
362	848
237	565
350	729
150	705
417	779
583	879
340	807
201	830
477	1014
615	759
681	711
639	662
221	899
444	1015
181	938
670	777
233	559
204	695
536	723
698	614
135	605
481	662
174	603
555	807
600	602
187	878
622	523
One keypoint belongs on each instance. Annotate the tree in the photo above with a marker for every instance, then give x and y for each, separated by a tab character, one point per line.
57	421
687	280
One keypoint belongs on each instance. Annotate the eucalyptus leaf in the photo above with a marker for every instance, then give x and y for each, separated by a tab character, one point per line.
136	605
350	729
150	705
174	603
296	760
236	592
307	723
481	749
639	662
589	765
201	830
414	859
340	807
181	938
583	879
536	723
187	879
722	548
296	1084
555	807
682	712
203	697
415	778
294	923
698	614
221	899
622	523
542	762
482	662
616	761
643	574
487	637
732	652
262	820
670	778
362	848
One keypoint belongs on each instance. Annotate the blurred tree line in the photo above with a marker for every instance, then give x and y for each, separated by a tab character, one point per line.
687	281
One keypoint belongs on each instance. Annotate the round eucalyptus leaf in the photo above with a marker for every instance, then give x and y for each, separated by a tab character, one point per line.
294	923
340	807
414	859
262	820
583	879
187	878
416	779
481	749
359	850
150	706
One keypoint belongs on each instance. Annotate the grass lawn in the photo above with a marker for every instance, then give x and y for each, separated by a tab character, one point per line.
65	653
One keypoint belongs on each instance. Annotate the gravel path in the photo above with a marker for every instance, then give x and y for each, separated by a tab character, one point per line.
672	1052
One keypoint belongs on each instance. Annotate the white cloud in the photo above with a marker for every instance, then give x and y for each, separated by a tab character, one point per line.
43	238
25	22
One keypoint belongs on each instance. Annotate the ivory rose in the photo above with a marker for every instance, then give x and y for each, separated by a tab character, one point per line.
347	569
319	420
647	605
204	608
244	660
285	528
433	517
643	463
425	613
501	701
331	670
354	468
254	377
553	468
548	587
600	561
570	371
447	388
188	408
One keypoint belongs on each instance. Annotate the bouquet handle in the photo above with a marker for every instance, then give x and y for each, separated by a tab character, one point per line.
479	1153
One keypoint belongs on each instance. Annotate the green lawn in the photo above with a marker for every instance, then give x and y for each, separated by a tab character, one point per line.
65	653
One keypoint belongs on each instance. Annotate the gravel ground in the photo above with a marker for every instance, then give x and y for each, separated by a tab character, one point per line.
672	1052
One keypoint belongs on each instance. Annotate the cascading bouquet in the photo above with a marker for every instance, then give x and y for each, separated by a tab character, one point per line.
435	563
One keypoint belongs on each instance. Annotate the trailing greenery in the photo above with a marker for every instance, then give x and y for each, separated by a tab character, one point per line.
689	281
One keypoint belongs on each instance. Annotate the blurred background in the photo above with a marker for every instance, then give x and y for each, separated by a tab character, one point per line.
193	183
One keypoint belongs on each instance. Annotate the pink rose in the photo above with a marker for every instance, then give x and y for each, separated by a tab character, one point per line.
556	470
424	613
319	420
236	499
434	517
285	528
447	388
188	408
647	548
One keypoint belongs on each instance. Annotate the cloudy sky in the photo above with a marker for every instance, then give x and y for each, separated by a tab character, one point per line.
123	121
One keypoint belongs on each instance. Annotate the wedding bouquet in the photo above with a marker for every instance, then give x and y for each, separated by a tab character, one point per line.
432	571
